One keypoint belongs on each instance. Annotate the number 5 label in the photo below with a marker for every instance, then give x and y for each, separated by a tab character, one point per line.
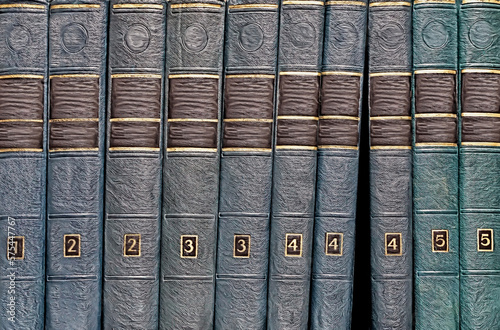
485	240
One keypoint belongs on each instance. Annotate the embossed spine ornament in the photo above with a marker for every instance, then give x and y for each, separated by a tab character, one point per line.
338	159
23	159
294	169
479	166
390	60
133	164
195	44
435	165
246	165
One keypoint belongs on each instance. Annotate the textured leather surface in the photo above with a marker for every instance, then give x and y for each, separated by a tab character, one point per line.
133	165
435	167
479	167
23	51
294	168
246	166
195	36
389	34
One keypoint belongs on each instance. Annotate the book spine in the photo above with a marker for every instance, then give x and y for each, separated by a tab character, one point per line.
338	160
390	60
77	48
479	164
246	164
133	164
294	168
435	165
23	159
195	44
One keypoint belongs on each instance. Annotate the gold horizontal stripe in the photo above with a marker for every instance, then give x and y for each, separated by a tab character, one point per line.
351	3
341	73
390	147
481	114
21	76
248	149
254	5
73	149
21	120
154	120
480	1
314	3
136	75
21	150
193	75
76	75
137	5
339	117
481	144
192	119
191	149
298	73
391	118
435	71
74	6
390	3
380	74
338	147
297	147
133	149
298	117
21	5
60	120
481	71
270	76
435	115
418	2
195	5
259	120
435	144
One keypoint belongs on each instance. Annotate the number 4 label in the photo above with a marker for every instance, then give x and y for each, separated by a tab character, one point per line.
393	246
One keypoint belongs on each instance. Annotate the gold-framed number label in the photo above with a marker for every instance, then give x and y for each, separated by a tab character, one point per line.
293	247
440	241
241	246
393	244
189	246
485	240
132	245
334	244
15	247
72	246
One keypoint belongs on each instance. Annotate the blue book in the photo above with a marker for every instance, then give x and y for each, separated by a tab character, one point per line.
23	160
195	39
77	58
338	161
133	164
294	168
246	164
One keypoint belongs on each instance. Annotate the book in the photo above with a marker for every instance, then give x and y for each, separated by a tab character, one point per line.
294	168
75	196
338	161
390	60
246	164
435	165
23	161
195	45
133	165
479	164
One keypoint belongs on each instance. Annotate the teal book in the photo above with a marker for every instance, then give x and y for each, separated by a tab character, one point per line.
294	166
435	165
133	164
23	162
75	177
246	164
390	163
479	164
195	46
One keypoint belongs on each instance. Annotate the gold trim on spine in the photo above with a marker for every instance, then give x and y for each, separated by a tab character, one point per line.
259	120
298	117
191	149
481	71
435	71
21	150
133	149
341	73
390	147
60	120
135	75
137	5
155	120
338	147
255	5
435	115
193	75
351	3
481	114
480	1
390	118
314	3
21	120
270	76
339	117
194	5
73	149
192	119
390	3
435	144
248	149
21	5
74	6
481	144
22	76
298	73
418	2
297	147
74	76
380	74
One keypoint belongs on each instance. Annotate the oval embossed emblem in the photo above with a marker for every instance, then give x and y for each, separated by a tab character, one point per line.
137	38
195	38
481	34
303	35
18	37
74	37
391	37
251	37
345	36
435	35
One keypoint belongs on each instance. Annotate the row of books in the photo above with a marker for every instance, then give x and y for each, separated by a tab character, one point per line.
194	164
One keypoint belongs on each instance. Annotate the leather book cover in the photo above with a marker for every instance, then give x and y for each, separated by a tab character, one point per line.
246	164
133	164
294	167
195	46
435	165
77	64
479	164
338	161
390	72
23	161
